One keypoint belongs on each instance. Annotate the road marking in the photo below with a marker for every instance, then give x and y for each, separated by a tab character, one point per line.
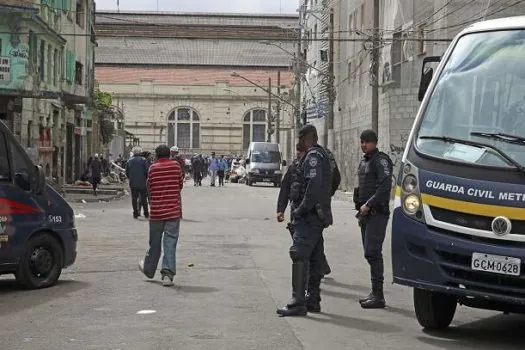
146	312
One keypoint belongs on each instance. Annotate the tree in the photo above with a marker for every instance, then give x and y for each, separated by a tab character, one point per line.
108	114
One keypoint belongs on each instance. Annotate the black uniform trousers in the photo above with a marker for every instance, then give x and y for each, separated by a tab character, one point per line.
373	231
197	178
143	194
308	243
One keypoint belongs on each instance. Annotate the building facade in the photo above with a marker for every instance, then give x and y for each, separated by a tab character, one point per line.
199	81
410	30
316	25
46	78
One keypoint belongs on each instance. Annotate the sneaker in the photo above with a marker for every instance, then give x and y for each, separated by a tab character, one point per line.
141	268
167	281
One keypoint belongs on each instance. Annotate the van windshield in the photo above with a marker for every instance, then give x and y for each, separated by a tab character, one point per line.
479	98
266	157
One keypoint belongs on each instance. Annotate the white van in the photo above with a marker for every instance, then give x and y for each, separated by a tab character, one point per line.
264	164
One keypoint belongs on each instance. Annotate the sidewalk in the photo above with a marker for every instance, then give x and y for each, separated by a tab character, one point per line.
84	194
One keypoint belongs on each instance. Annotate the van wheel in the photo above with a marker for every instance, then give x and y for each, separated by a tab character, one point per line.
434	311
41	263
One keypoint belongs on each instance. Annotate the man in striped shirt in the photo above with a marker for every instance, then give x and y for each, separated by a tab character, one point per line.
165	182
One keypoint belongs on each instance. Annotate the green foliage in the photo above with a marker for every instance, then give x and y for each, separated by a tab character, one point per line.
102	99
108	114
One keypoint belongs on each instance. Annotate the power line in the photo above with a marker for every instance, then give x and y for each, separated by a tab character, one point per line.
478	18
226	38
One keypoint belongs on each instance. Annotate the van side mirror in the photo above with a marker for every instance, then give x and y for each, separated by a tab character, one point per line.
247	161
284	163
426	76
22	180
40	180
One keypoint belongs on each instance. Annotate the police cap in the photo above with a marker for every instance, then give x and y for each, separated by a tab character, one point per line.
369	136
308	129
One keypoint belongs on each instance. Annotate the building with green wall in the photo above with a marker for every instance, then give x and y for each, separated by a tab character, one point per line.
46	80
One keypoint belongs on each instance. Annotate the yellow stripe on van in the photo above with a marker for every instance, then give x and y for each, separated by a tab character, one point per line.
398	191
473	208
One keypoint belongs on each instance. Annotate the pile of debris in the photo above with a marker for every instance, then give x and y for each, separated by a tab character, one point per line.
117	175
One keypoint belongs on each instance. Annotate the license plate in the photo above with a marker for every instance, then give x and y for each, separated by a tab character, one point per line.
4	238
503	265
266	180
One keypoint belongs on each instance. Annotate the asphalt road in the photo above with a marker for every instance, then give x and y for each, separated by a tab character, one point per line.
233	271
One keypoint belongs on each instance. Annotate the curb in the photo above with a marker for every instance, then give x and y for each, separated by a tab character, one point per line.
118	196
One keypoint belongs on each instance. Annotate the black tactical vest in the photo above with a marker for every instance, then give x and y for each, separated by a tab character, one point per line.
325	200
297	189
367	173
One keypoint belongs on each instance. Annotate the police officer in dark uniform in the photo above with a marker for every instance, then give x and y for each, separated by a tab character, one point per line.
290	178
372	199
311	216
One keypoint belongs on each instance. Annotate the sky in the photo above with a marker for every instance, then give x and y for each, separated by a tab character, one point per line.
235	6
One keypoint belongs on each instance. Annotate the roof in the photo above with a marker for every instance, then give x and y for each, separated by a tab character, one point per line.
191	52
188	76
514	22
171	18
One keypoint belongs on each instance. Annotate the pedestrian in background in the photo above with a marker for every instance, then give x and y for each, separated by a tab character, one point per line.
197	165
96	173
165	182
372	199
223	166
174	154
137	174
213	167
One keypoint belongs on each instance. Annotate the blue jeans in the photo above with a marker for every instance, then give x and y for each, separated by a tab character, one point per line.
167	233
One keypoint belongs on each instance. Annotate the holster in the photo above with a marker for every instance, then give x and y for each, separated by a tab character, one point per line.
320	213
356	198
289	227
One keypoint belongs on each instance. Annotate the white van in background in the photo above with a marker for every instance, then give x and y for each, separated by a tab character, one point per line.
264	163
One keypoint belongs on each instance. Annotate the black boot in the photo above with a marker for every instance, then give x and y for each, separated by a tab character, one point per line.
326	268
313	302
296	306
376	301
369	296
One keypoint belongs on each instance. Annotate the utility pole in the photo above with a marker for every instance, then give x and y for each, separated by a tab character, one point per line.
269	117
297	68
375	70
331	89
278	112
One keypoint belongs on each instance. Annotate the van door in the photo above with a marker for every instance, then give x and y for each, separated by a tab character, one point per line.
20	213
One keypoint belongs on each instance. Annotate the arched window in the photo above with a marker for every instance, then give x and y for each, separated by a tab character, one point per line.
254	127
184	128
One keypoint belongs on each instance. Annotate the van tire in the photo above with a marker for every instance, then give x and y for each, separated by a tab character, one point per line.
45	251
434	311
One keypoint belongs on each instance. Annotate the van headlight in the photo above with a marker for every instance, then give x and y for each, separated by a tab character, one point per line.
409	183
412	203
255	171
277	172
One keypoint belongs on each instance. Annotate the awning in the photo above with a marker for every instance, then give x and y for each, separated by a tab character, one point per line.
71	99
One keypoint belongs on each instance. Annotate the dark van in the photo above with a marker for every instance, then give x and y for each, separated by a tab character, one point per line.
37	226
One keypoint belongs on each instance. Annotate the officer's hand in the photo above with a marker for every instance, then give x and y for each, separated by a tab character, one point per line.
364	209
280	217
